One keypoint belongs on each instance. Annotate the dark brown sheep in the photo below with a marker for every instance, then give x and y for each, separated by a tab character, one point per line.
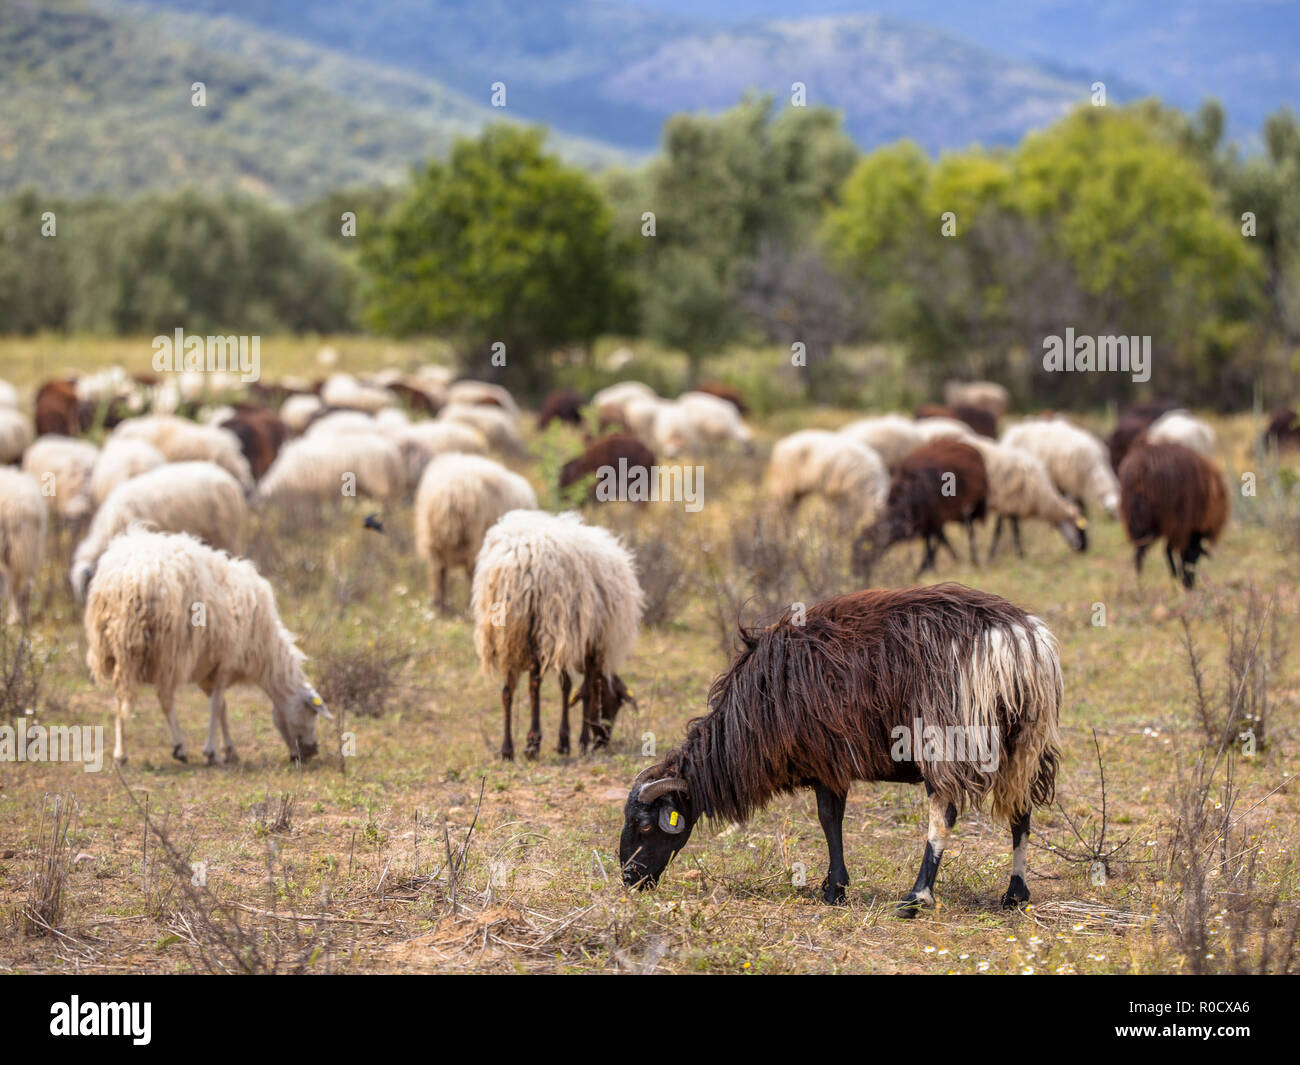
57	409
261	434
939	482
564	404
731	395
1134	420
1283	432
607	453
415	399
866	687
1169	492
980	420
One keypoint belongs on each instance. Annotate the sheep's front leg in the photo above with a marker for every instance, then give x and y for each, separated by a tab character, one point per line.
1015	538
119	737
507	699
535	697
167	700
943	815
1018	891
217	716
997	535
566	686
830	812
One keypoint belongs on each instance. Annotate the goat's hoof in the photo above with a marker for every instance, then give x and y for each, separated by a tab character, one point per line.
911	905
833	894
178	752
1016	894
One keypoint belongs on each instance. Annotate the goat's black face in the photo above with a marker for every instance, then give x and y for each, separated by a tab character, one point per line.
652	833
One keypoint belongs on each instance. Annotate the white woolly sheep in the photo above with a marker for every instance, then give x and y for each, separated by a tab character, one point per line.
660	424
344	390
891	436
496	425
8	396
551	593
192	497
1020	487
421	442
715	421
343	421
932	429
460	497
849	475
181	440
23	521
297	411
335	465
15	435
610	403
1180	427
987	395
63	466
119	461
1077	461
481	393
164	610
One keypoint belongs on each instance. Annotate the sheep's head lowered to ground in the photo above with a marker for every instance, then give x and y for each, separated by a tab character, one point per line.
658	819
296	717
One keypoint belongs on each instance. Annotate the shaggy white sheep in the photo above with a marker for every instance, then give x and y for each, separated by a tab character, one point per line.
932	429
165	610
1180	427
15	435
987	395
23	521
343	421
184	441
63	466
481	393
8	396
891	436
496	425
662	425
1077	461
460	497
715	421
335	466
344	390
551	593
192	497
119	461
421	442
298	410
610	403
1020	487
851	476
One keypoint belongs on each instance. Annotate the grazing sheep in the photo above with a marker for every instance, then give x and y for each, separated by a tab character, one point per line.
986	395
184	441
563	404
59	409
191	497
496	425
723	391
940	482
1172	492
980	421
1020	487
23	522
1179	427
422	442
119	461
335	465
940	428
8	396
298	411
551	593
607	453
660	424
143	628
415	397
15	435
344	390
891	436
331	421
1283	431
260	432
945	686
611	403
1076	461
460	497
851	476
63	467
481	393
1134	420
715	422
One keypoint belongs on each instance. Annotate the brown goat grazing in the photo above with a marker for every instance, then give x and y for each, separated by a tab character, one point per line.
939	482
1169	491
621	454
57	409
1133	421
947	686
731	395
564	404
261	434
980	420
1283	432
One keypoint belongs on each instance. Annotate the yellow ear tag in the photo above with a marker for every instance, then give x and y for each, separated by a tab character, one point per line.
315	700
1082	523
672	819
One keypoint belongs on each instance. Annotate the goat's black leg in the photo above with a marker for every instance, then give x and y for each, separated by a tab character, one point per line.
943	815
535	699
942	537
1138	552
1018	891
1191	555
507	699
566	685
997	535
1015	537
830	812
927	558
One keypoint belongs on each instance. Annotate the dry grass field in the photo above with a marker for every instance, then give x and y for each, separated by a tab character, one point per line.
407	846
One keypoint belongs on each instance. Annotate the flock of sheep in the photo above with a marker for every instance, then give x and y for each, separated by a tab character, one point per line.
162	513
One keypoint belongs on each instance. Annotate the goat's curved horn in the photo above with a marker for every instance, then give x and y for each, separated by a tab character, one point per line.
648	773
650	792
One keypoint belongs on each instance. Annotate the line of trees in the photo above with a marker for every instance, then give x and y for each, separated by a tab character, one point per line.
759	225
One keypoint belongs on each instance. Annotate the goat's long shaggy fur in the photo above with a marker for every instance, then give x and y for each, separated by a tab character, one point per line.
184	441
23	524
191	497
119	461
66	465
818	701
321	466
460	497
850	475
1077	461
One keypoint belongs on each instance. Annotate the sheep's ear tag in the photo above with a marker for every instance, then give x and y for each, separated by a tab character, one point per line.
671	821
1081	522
